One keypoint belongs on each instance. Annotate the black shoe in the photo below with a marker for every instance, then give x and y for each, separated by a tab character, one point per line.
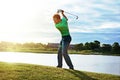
71	68
59	66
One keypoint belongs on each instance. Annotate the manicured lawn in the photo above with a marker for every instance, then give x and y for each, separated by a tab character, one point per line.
18	71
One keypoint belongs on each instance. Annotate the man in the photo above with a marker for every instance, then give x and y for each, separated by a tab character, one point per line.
62	26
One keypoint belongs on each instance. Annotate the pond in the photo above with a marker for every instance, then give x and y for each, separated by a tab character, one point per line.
92	63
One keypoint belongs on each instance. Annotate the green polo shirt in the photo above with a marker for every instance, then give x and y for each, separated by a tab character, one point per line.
63	27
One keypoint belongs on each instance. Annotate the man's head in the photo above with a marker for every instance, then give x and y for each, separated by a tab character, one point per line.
56	18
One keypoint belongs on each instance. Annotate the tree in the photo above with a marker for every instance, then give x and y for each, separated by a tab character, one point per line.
97	44
106	47
116	48
87	46
79	47
92	45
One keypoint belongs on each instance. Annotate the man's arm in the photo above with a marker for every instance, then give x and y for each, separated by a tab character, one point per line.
62	12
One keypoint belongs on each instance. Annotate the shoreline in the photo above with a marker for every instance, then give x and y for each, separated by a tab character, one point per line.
55	52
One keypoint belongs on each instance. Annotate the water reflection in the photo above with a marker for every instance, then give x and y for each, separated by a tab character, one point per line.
93	63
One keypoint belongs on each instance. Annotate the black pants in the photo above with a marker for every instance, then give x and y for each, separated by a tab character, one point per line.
63	51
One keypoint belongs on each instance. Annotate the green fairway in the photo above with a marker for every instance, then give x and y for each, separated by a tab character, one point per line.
18	71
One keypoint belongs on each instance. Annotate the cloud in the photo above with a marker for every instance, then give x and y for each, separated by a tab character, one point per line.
31	20
109	25
95	16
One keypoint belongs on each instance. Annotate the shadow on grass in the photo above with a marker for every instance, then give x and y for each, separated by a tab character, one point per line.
80	75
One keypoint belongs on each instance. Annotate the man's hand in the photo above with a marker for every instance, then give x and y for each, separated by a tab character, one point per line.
60	10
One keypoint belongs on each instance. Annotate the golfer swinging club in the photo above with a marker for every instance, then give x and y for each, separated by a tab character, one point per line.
62	26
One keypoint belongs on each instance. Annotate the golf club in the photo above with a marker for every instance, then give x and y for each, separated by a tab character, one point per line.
60	10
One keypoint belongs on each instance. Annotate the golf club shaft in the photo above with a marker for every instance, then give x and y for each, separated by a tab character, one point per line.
70	13
59	10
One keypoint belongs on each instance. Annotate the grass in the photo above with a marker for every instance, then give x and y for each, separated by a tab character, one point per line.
31	50
17	71
84	52
55	50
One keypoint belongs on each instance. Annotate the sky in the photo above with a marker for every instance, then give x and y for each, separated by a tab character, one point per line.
31	20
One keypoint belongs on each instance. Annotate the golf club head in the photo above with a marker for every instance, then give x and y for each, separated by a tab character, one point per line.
76	17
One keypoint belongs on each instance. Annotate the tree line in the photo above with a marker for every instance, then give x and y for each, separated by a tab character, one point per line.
94	46
98	47
10	46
